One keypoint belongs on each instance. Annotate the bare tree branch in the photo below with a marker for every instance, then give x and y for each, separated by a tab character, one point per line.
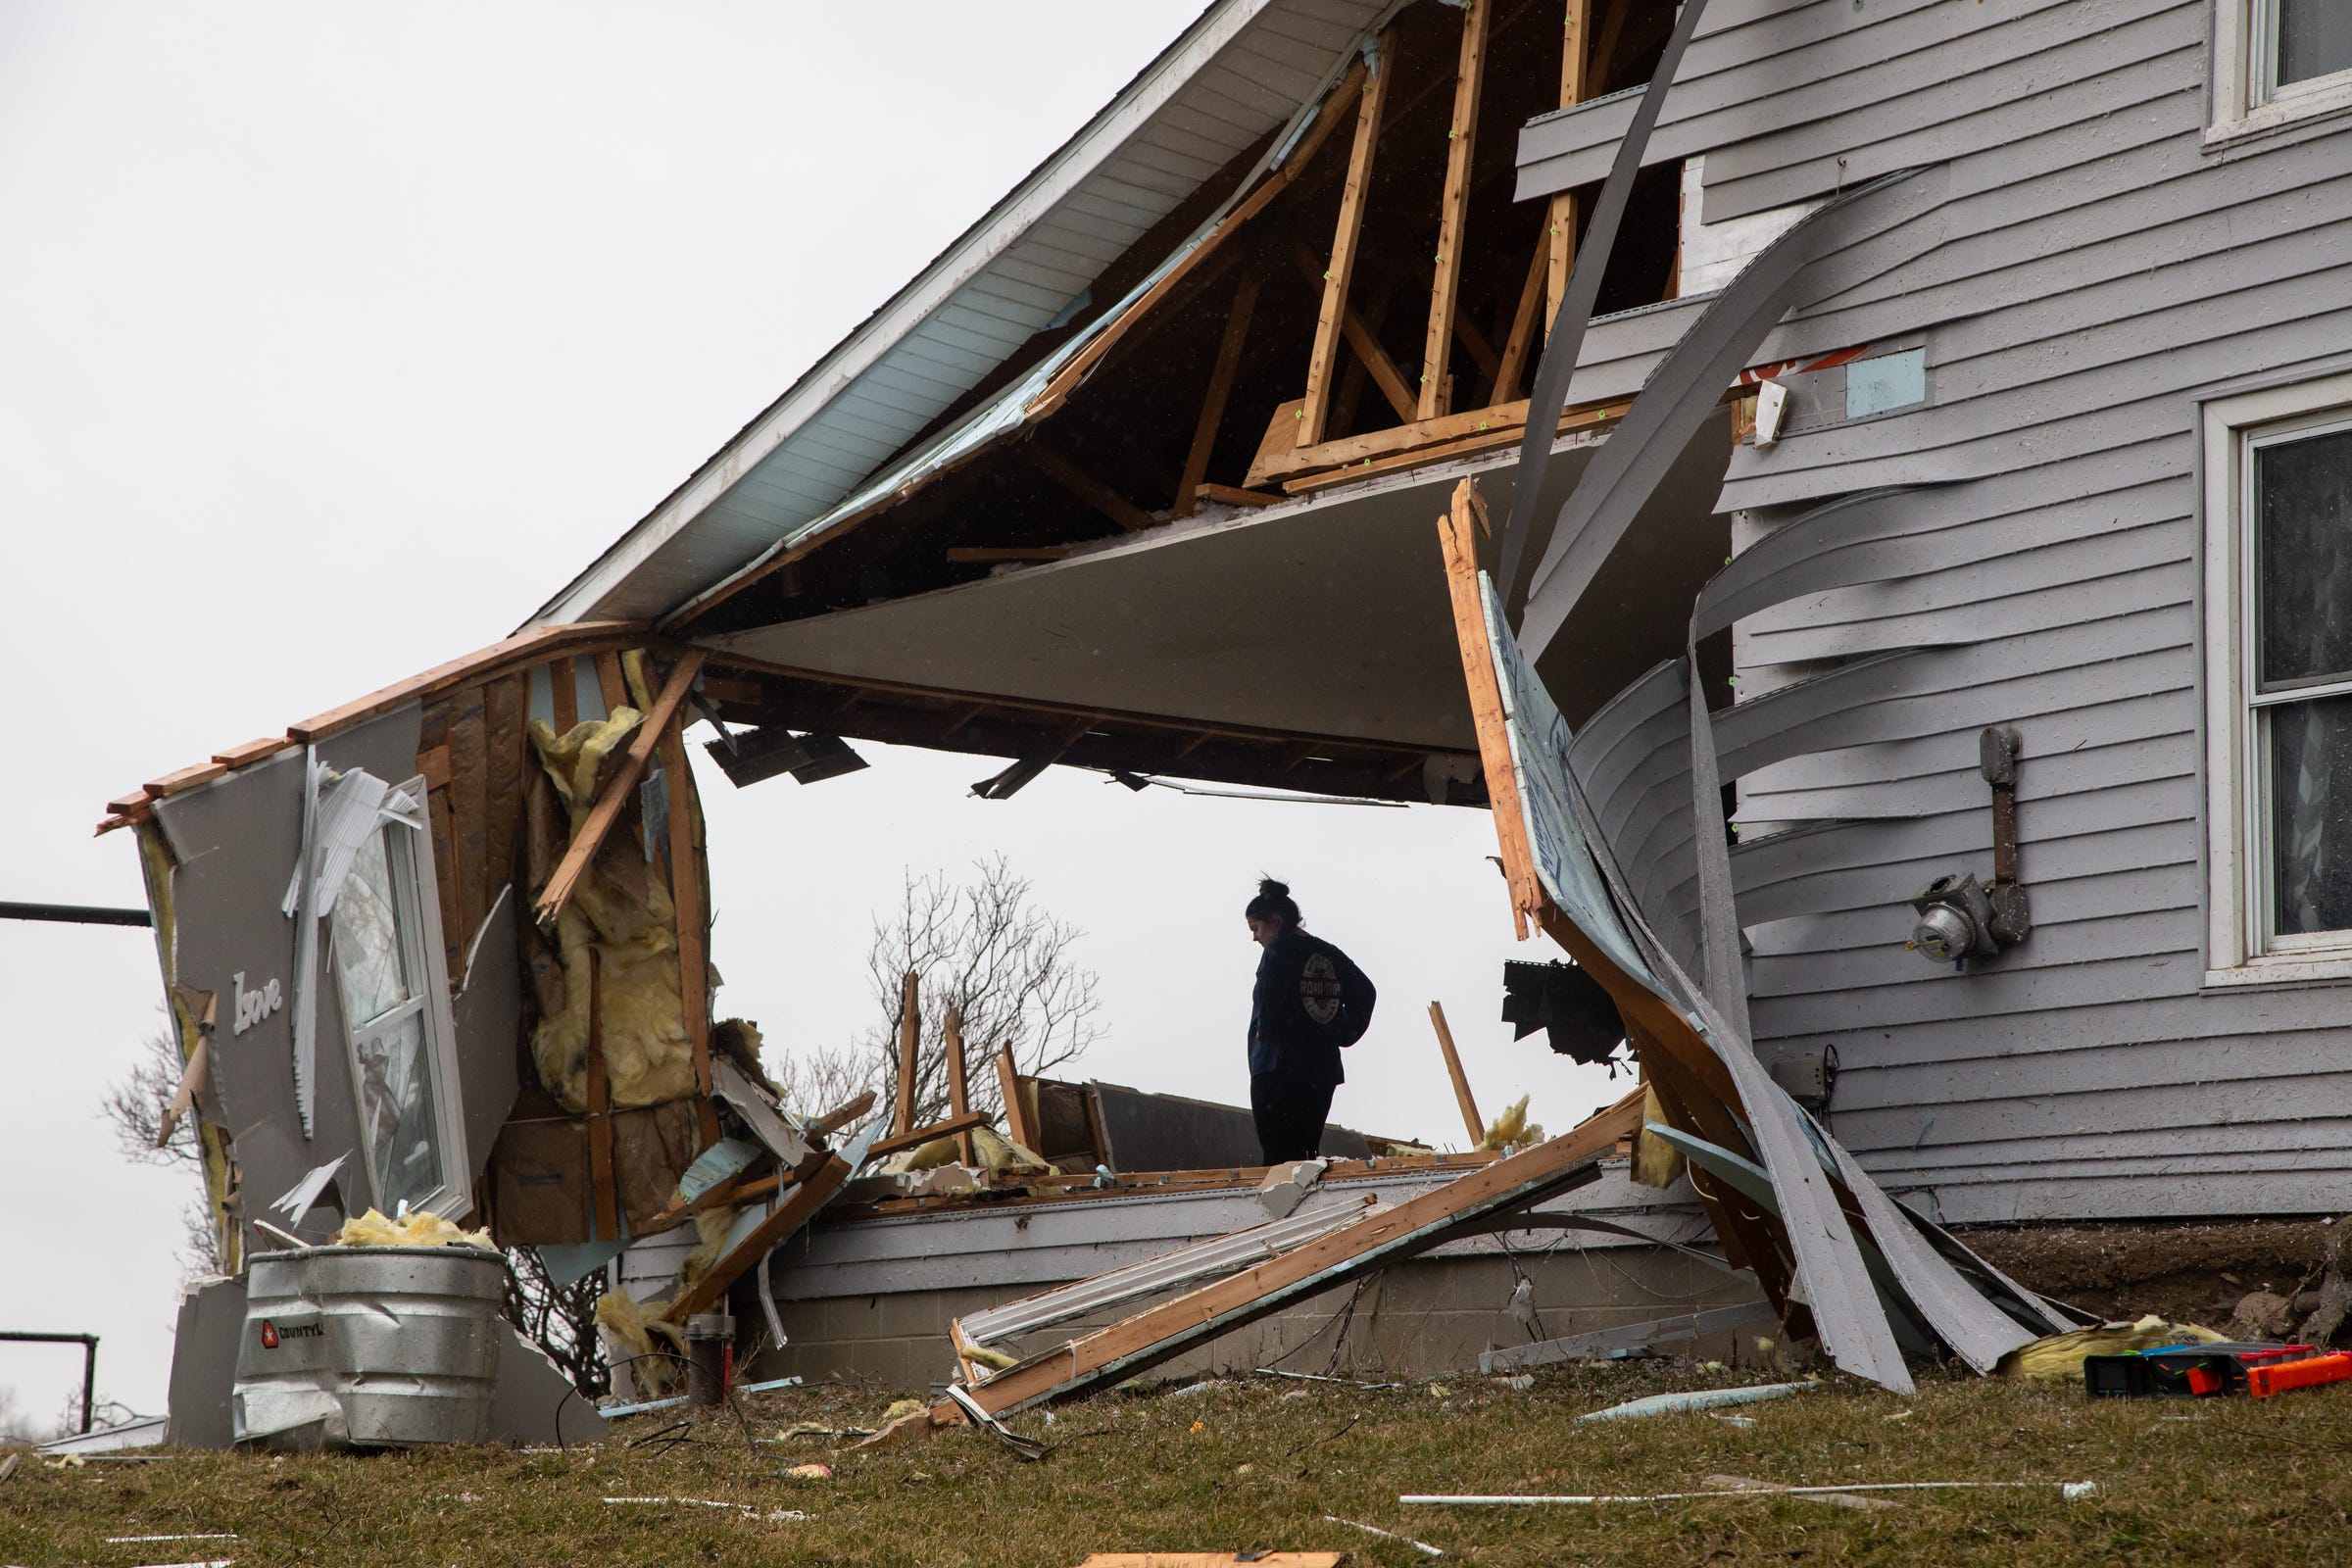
981	947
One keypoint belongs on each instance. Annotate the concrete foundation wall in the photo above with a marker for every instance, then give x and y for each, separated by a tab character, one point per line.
1415	1319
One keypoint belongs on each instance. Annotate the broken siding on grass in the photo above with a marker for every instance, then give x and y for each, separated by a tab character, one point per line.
2041	325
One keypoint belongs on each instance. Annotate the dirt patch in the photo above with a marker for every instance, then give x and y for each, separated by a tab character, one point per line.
2194	1272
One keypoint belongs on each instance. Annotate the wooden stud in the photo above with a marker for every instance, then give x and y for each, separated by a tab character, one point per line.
1341	269
1087	488
1459	547
564	693
691	910
910	1034
1366	348
616	791
1220	390
1518	345
1599	67
1575	86
1016	1109
469	815
1454	217
959	1099
612	682
815	1186
600	1115
1461	1081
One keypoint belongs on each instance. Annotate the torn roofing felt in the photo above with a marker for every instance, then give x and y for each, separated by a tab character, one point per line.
1247	72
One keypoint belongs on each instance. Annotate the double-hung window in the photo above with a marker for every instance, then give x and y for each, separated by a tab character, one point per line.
2278	60
395	1012
2279	668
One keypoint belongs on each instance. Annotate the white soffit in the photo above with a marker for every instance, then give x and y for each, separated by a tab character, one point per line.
1327	617
1245	68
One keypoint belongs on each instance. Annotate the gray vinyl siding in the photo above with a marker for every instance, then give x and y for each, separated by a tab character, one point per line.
2080	270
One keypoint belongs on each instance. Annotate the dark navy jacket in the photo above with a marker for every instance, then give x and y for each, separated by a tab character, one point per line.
1310	1000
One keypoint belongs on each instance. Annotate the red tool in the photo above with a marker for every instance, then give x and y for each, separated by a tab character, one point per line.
2264	1381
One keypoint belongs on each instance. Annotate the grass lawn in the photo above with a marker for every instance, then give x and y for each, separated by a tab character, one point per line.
1257	1465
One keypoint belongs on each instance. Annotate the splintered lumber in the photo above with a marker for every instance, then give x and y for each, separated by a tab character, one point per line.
1016	1109
1162	1333
617	790
1461	1081
1087	488
910	1034
1329	323
1422	441
959	1099
1454	215
1236	496
1185	1265
916	1137
815	1186
1220	391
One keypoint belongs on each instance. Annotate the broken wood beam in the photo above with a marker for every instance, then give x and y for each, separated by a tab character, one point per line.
1087	488
1503	423
1454	1070
1219	393
615	792
1235	496
910	1034
1330	322
1453	217
916	1137
1388	1235
816	1184
834	1120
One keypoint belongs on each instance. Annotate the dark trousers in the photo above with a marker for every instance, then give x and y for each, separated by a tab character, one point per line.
1290	1113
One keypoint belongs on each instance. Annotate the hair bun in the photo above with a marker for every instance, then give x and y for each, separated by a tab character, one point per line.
1267	886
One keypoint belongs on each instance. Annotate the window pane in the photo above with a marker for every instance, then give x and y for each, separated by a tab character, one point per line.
2303	492
369	963
2311	815
396	1108
2315	38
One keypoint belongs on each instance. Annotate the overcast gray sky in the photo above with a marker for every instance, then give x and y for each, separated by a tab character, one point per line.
334	338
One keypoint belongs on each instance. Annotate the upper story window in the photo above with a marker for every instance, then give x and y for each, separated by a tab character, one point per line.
2278	678
2278	60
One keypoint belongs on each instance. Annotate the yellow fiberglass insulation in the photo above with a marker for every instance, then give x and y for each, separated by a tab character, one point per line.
2058	1357
420	1229
1511	1132
623	917
1656	1163
634	1324
991	1149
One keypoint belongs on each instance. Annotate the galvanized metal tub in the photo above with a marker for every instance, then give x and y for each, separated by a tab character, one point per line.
368	1347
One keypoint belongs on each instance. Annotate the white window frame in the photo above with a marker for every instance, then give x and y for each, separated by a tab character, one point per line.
417	907
2240	948
2247	100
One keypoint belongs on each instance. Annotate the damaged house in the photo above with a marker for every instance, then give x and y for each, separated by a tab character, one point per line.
1860	492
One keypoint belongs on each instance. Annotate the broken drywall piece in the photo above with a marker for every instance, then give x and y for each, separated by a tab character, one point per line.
1286	1186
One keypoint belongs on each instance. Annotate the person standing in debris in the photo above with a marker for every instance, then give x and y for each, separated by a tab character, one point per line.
1311	1002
